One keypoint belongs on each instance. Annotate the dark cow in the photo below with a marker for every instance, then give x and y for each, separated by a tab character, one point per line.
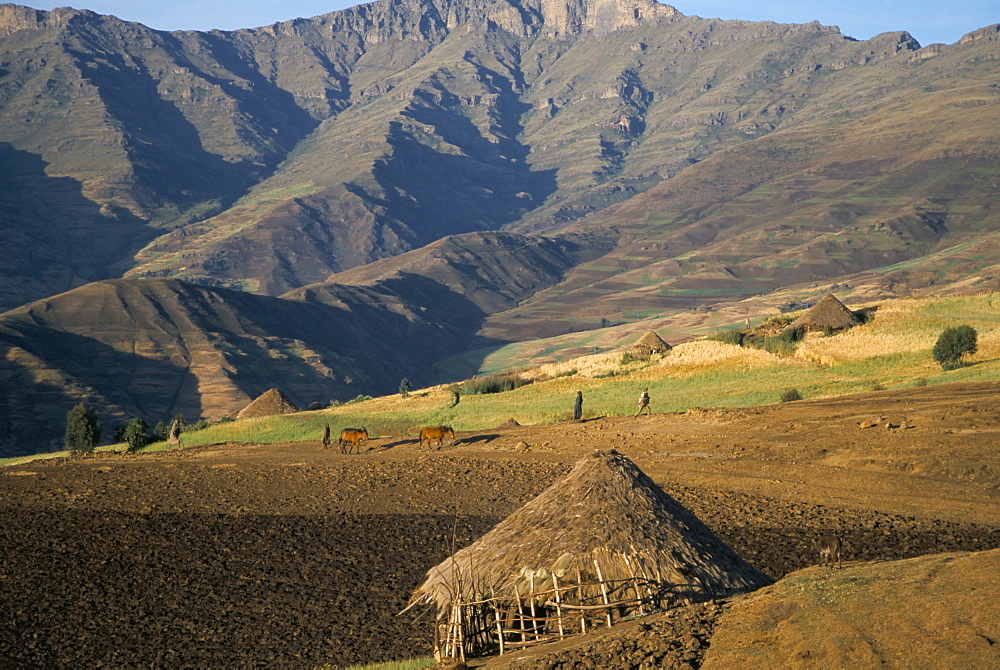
431	433
352	438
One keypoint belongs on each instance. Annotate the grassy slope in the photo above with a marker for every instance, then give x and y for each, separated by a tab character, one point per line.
892	351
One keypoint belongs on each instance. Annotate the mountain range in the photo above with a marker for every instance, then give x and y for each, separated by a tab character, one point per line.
328	205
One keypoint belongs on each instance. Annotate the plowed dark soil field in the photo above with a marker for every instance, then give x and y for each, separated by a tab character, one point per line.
290	555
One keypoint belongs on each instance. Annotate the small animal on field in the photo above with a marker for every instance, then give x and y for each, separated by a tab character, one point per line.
352	438
431	433
326	436
829	547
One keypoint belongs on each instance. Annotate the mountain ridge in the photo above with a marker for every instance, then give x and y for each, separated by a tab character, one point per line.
451	175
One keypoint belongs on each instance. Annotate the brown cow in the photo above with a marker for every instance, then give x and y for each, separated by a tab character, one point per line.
829	550
431	433
352	438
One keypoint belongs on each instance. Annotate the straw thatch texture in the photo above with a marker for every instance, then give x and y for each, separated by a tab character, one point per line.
604	521
827	313
270	403
649	344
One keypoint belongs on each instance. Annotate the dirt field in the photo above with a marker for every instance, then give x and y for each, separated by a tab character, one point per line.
292	556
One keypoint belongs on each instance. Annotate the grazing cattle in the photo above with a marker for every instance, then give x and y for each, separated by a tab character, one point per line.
829	550
352	438
431	433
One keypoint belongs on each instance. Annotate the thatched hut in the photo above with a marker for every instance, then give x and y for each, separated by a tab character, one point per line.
827	313
649	344
601	543
272	402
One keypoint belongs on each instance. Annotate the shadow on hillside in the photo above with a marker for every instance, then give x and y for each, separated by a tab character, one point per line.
60	237
70	368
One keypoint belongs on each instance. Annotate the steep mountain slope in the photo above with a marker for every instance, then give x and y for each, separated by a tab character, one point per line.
156	347
359	165
410	121
899	181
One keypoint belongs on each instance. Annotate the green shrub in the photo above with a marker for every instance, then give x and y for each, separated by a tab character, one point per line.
135	433
507	381
954	343
361	397
827	331
405	387
83	432
629	357
728	336
790	395
920	381
783	343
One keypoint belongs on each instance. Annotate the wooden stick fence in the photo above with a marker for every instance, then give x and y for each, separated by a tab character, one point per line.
519	620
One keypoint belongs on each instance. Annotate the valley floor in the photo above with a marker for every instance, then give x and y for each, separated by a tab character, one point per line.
291	555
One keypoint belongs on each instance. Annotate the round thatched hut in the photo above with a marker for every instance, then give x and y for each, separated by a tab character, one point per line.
601	543
649	344
270	403
827	313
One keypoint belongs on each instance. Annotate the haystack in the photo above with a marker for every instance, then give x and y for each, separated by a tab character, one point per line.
270	403
827	313
649	344
599	544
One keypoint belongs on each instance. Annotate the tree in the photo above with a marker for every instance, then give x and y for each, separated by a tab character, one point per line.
83	432
954	343
135	433
405	387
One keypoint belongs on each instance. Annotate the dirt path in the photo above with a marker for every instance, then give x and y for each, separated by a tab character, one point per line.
291	555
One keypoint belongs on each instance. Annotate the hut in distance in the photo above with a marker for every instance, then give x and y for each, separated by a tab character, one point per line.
270	403
603	542
828	313
649	344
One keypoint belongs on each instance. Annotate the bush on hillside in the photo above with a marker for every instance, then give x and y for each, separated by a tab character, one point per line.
83	432
405	387
507	381
954	343
790	395
784	342
135	433
728	336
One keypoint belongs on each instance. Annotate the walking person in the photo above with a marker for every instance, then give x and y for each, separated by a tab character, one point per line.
578	406
643	403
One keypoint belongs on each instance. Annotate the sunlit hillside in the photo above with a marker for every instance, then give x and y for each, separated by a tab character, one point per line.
891	351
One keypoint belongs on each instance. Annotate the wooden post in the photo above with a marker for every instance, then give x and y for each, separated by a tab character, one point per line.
604	591
555	583
534	616
520	615
496	614
579	589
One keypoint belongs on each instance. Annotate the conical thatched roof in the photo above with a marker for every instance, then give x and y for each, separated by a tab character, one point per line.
650	344
604	516
270	403
827	313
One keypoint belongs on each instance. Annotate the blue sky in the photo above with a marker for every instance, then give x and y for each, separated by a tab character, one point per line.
927	20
